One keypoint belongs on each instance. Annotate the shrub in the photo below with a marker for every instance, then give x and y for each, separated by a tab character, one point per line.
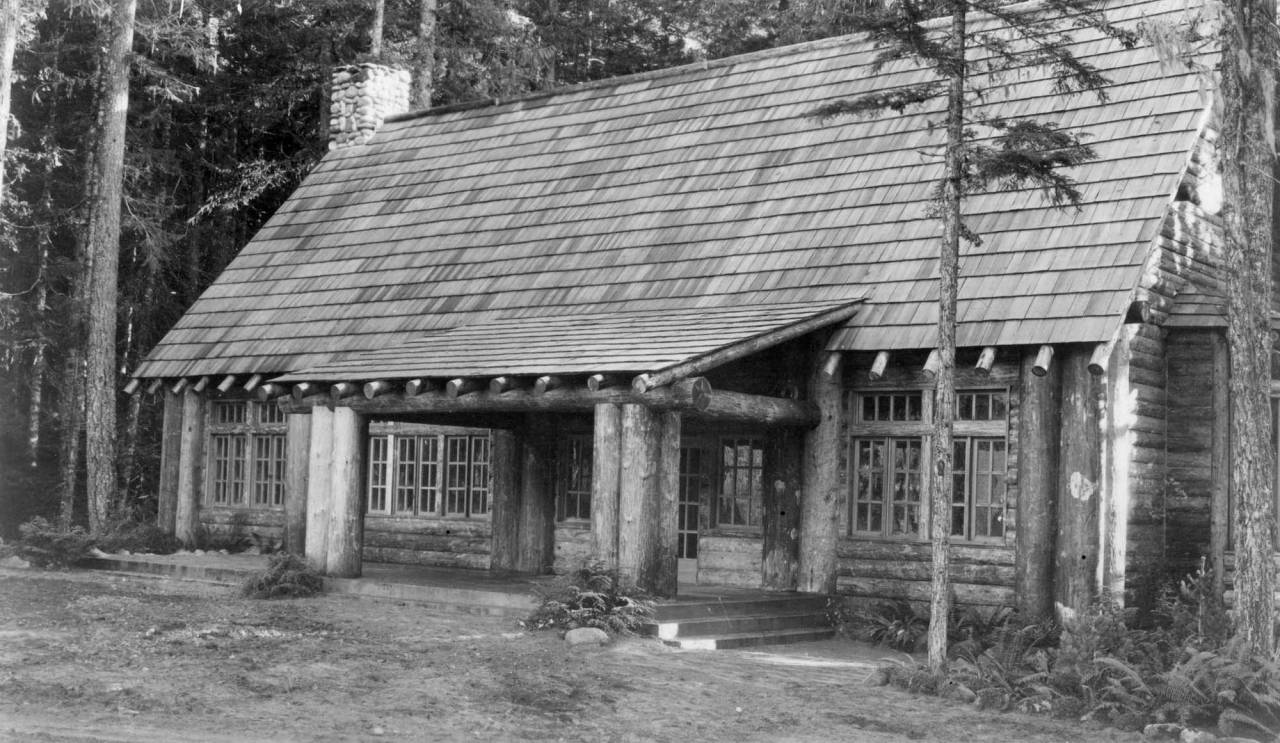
286	576
892	623
137	536
45	546
591	596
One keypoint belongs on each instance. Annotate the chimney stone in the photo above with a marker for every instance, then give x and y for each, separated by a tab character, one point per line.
363	95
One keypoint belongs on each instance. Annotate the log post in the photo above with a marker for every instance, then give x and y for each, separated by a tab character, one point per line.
170	463
190	468
1038	429
297	470
346	537
505	465
783	476
537	502
1117	414
316	545
666	500
637	489
820	506
1079	479
605	468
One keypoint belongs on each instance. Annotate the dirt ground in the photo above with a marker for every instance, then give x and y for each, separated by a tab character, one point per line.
91	656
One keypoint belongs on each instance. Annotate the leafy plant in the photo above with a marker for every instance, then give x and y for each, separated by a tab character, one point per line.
137	536
46	546
591	596
286	576
893	623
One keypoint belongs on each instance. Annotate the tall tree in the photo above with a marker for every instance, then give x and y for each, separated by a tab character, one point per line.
8	44
1019	153
1247	157
424	57
105	191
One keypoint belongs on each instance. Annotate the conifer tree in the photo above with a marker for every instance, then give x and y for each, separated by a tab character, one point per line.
1018	153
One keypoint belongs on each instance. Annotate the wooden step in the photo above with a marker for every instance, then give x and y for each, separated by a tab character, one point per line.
737	624
723	607
751	639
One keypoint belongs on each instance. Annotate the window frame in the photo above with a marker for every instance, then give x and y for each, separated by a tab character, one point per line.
246	462
755	496
434	492
861	430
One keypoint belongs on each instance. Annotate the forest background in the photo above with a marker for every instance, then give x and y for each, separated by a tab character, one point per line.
228	111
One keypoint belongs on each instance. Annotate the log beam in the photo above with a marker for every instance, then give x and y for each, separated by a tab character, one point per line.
342	390
415	387
271	391
226	383
253	383
599	382
303	390
986	360
1044	357
693	397
179	386
932	364
201	384
546	383
155	386
132	386
499	385
455	388
375	388
878	366
1100	358
1039	426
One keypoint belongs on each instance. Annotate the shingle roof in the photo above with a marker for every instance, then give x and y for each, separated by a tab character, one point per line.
697	188
628	341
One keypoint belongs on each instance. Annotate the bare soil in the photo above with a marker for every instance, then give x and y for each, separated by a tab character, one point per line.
91	656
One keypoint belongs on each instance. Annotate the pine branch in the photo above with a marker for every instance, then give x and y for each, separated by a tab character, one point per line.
897	100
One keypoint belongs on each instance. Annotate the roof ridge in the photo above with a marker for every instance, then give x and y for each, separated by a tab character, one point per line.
701	66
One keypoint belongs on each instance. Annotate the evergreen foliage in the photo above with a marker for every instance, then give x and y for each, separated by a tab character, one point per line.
286	576
591	596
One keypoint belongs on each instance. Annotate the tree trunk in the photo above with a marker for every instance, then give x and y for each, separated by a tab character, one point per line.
103	247
783	488
941	487
297	474
8	45
504	497
375	29
72	416
1079	476
424	62
345	541
170	463
39	358
1246	157
606	462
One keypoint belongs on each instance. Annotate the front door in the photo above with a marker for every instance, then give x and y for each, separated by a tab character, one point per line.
694	482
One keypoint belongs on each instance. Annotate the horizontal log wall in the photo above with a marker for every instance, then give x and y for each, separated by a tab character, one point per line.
243	523
1144	564
1190	415
418	541
871	570
573	546
730	560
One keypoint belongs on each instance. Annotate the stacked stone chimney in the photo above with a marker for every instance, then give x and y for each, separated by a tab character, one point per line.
362	96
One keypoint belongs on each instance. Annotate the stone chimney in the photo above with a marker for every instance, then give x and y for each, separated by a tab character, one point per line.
361	97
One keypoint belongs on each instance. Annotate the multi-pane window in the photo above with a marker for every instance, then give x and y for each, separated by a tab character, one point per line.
429	474
573	496
246	455
888	454
741	496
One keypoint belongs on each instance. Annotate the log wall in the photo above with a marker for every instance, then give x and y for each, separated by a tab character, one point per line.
257	524
726	559
1148	429
573	545
982	574
419	541
1191	417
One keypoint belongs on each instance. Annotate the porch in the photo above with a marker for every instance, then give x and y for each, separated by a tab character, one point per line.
702	617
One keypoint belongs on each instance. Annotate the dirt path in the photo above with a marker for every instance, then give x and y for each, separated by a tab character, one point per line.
90	657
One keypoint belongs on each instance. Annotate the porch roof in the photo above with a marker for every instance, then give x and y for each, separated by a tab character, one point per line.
632	342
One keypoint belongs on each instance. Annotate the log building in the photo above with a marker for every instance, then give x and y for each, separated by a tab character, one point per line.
674	322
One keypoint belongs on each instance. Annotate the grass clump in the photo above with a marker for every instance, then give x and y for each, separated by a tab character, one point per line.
286	576
591	596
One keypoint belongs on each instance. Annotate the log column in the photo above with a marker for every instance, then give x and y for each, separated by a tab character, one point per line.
170	463
783	475
650	465
537	501
606	466
505	464
297	473
820	502
1079	478
1038	428
346	528
190	468
319	484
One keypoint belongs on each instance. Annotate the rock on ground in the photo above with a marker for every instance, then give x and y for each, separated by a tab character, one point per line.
586	636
